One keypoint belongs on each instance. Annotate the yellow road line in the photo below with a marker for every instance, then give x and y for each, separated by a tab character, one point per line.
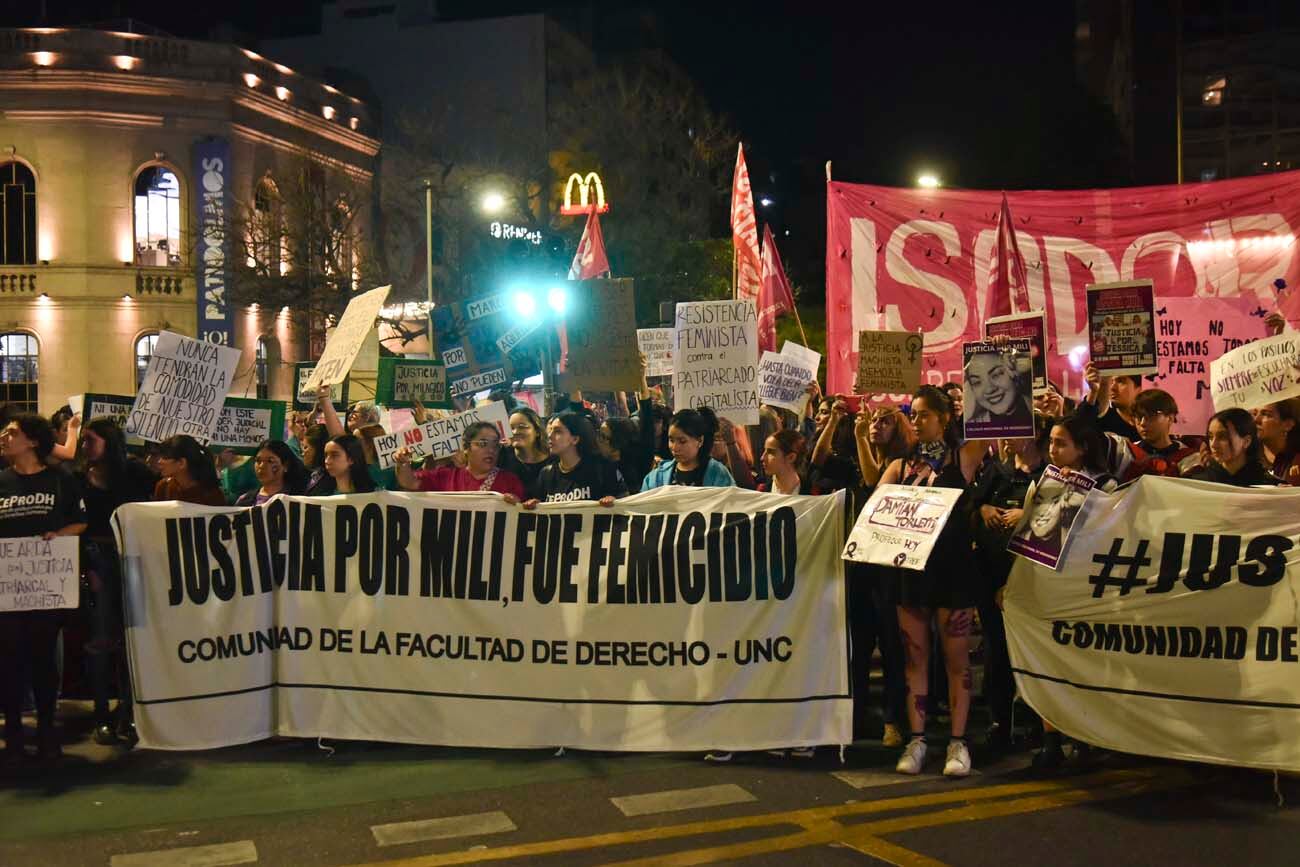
815	817
883	850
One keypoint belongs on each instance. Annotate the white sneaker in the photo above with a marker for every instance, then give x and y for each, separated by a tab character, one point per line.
958	763
717	756
913	758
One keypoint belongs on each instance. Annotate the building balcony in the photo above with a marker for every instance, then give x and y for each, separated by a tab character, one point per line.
17	281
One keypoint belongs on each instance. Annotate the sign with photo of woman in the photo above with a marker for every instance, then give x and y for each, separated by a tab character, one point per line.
997	388
1053	504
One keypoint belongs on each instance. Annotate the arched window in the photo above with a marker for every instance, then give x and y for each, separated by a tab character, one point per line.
267	229
157	217
18	207
262	370
342	244
144	345
18	370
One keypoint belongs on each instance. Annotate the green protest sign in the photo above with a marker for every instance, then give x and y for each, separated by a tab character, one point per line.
402	381
245	422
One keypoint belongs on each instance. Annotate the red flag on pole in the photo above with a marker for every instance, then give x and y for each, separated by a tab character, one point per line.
1008	281
775	297
590	260
744	232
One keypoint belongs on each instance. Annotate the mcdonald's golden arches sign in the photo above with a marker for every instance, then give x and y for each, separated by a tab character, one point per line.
589	190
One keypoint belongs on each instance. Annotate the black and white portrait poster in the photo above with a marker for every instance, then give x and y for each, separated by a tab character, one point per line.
997	386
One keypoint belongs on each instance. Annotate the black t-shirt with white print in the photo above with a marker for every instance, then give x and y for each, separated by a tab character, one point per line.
39	503
593	478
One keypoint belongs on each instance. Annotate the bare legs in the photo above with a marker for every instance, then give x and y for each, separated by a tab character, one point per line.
954	636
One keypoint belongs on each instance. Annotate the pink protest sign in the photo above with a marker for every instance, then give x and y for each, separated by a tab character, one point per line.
1190	333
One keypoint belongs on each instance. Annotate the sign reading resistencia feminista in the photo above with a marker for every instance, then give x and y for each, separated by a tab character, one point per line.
715	363
212	206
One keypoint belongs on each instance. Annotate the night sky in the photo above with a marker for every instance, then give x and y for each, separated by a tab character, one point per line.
983	97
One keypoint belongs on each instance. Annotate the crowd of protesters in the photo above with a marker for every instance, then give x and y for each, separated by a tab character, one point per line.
63	477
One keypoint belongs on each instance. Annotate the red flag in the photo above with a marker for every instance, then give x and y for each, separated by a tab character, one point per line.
744	232
775	296
1008	282
590	259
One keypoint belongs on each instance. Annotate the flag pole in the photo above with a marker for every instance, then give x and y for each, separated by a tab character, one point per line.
735	289
799	322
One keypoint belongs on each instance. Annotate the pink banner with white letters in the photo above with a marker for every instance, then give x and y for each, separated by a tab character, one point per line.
918	259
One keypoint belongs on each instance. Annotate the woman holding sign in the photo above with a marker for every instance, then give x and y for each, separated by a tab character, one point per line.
580	472
36	500
481	449
946	588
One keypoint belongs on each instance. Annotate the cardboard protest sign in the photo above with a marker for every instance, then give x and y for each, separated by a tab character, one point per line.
1122	327
783	381
483	342
440	438
656	345
1191	333
1032	325
601	335
715	362
245	422
183	390
402	381
997	390
36	574
302	399
889	362
1050	510
1258	373
355	325
899	525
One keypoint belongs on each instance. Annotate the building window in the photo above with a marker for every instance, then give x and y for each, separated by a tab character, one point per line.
262	370
157	218
342	243
18	230
18	373
267	231
144	345
1212	94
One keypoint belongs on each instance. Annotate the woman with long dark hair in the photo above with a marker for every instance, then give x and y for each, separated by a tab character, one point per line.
188	473
1236	452
527	454
345	469
1278	425
35	500
690	439
278	472
580	472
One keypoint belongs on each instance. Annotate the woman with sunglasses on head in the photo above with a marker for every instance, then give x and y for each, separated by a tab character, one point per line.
278	472
481	446
526	454
36	499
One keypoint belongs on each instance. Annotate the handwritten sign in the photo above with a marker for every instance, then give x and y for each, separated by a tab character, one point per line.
1050	513
715	358
440	438
355	325
811	357
1258	373
1191	333
783	381
657	346
36	574
603	354
184	389
899	525
1122	327
244	423
303	399
1031	326
482	342
476	382
402	381
888	362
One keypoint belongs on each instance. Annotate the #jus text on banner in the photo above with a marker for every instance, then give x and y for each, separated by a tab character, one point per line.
679	619
1171	626
919	258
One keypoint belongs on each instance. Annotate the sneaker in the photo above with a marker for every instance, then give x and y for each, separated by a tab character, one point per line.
892	736
717	757
913	758
803	752
958	761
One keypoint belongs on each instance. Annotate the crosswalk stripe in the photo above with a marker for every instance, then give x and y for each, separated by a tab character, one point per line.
443	828
216	855
682	799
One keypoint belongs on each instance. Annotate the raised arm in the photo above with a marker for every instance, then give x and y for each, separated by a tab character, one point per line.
326	404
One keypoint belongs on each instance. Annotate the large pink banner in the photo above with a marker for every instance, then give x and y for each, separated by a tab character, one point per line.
916	259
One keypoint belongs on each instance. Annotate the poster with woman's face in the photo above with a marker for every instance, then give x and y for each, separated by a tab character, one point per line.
997	390
1049	516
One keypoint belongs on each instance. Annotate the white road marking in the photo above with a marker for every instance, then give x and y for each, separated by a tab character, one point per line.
682	799
400	833
216	855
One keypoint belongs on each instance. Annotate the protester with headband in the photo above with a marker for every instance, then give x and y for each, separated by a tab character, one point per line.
579	472
946	588
1158	453
1236	452
690	439
1279	436
482	471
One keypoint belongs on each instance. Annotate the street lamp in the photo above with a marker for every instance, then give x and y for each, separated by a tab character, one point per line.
535	311
766	202
928	181
493	203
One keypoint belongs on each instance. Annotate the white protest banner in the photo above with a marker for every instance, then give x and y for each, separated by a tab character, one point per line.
442	619
244	423
715	359
783	381
355	325
899	525
889	362
441	437
1171	626
183	390
1190	334
1258	373
36	574
1053	504
809	356
656	345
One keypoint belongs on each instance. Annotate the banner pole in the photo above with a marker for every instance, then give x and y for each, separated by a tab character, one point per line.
799	322
735	289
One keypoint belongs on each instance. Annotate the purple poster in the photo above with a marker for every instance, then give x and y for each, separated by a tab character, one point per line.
997	387
1050	511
